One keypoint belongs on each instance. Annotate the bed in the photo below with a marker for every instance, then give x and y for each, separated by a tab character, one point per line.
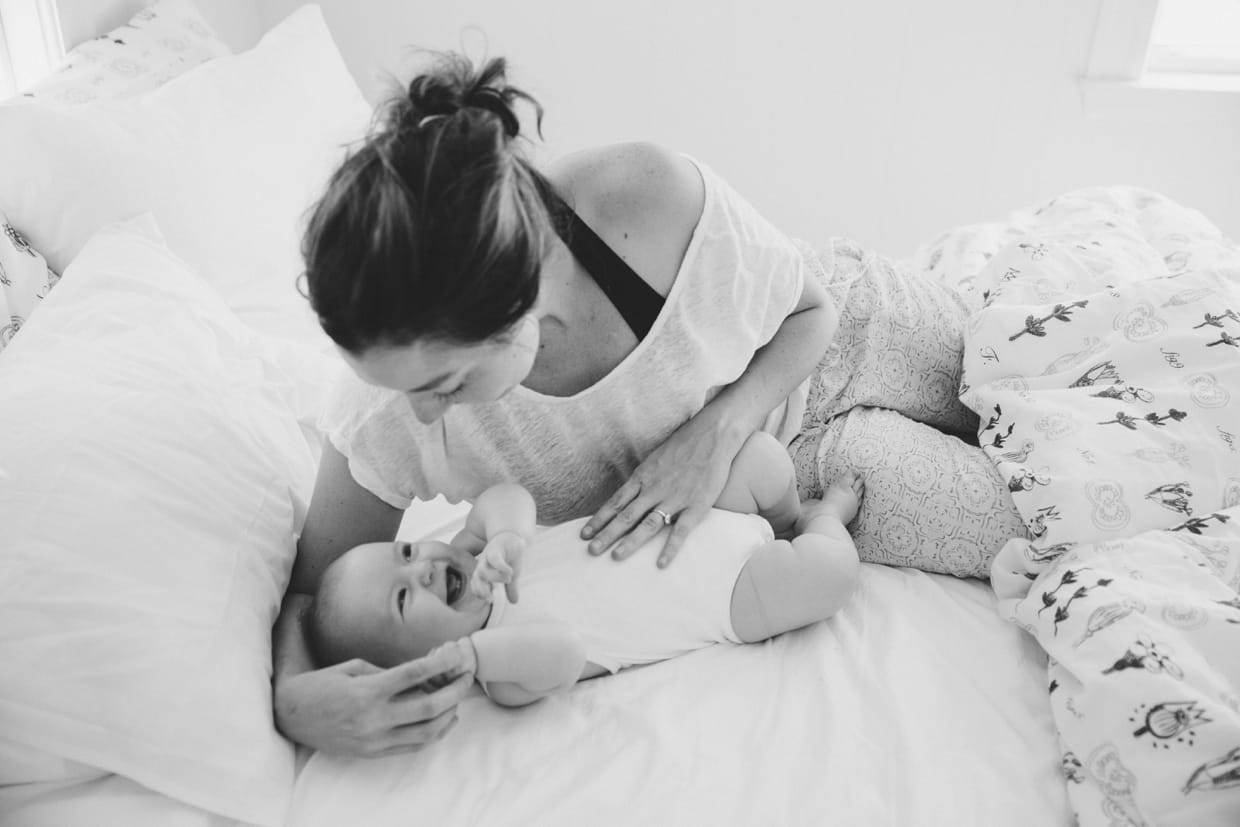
159	385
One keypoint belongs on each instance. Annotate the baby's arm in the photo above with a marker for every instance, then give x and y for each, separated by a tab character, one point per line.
500	508
517	665
786	585
762	481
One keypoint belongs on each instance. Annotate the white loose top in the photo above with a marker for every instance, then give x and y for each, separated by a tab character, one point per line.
739	279
631	612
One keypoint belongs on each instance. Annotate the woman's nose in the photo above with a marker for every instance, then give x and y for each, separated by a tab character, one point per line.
428	408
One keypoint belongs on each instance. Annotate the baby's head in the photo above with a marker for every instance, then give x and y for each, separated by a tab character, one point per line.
387	603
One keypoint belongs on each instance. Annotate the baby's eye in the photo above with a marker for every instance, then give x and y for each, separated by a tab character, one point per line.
400	600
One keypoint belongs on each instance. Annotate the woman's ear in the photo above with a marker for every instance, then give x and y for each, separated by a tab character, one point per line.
525	333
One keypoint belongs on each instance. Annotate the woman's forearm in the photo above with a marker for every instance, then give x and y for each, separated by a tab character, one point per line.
290	655
778	367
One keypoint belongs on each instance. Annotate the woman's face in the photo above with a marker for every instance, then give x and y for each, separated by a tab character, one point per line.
435	375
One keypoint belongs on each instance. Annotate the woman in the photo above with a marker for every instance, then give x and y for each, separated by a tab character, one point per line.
606	332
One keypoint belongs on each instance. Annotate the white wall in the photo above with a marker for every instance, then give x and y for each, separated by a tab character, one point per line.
885	120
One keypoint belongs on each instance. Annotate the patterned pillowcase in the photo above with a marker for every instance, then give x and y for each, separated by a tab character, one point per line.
25	279
160	42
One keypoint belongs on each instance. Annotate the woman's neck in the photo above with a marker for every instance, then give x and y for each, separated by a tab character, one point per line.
581	336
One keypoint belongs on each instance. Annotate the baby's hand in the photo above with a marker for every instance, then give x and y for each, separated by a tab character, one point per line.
499	562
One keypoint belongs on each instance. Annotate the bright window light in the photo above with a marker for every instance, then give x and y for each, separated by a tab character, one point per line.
30	44
1195	37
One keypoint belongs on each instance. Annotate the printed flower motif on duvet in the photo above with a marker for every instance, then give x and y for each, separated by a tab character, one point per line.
1105	364
1106	393
25	280
1141	635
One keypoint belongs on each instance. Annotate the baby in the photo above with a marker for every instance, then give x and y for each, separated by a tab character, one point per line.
579	616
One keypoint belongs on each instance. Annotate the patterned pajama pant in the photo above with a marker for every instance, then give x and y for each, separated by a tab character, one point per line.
883	402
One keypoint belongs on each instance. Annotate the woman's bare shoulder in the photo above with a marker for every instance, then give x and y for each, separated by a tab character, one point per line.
636	177
642	198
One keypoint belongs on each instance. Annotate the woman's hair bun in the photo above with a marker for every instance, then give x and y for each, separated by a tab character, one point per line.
453	84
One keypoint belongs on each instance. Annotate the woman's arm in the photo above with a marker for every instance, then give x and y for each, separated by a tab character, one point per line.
685	475
517	665
353	707
648	201
342	515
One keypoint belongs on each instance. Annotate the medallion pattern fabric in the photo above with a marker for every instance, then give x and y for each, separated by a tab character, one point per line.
1105	367
883	402
931	501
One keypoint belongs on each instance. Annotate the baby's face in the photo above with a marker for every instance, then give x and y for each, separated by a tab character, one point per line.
397	601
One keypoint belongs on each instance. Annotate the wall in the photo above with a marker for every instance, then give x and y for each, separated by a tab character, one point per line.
886	120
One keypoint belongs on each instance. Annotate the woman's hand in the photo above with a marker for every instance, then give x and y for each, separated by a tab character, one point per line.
681	479
499	562
355	708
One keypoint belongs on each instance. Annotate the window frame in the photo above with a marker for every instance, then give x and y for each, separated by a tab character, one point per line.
31	45
1123	46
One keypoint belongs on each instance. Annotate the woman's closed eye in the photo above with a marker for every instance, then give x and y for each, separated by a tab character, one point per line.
451	395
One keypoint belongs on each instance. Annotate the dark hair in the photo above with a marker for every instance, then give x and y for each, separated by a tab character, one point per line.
435	227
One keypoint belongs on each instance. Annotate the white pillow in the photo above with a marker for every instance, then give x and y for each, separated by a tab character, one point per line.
153	474
157	44
228	157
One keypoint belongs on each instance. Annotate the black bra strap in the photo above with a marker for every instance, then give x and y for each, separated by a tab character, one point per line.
638	303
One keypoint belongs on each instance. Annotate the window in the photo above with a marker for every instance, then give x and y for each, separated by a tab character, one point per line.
1195	37
1167	41
30	44
1160	59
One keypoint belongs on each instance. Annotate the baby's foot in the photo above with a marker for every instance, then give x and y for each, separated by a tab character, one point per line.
841	501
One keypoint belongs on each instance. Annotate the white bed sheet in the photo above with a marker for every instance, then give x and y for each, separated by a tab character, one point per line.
916	705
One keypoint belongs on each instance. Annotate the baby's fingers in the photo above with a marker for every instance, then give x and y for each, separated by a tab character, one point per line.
480	586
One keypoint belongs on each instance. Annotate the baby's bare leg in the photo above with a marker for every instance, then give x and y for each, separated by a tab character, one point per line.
761	481
839	503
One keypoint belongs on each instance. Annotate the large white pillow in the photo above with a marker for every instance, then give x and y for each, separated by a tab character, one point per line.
158	43
156	459
228	157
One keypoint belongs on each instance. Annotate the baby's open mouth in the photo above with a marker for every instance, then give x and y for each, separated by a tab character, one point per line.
454	584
